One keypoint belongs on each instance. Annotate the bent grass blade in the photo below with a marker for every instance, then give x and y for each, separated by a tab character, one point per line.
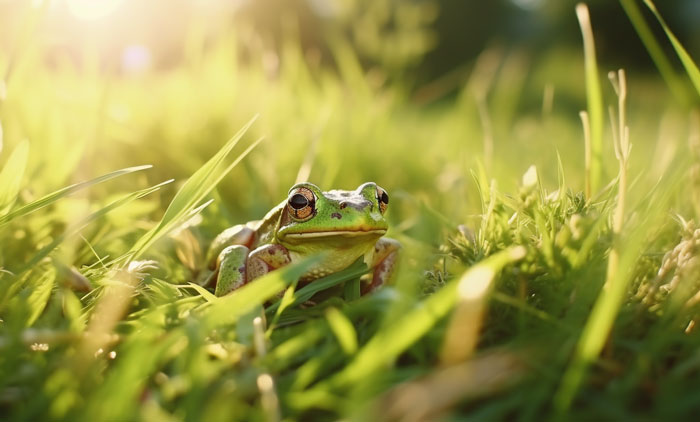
690	67
192	193
63	192
11	176
389	343
78	226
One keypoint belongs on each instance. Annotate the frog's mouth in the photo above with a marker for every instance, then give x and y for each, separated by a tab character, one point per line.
336	233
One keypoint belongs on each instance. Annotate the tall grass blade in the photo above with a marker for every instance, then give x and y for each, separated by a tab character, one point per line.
625	253
473	290
600	321
343	329
594	96
192	193
586	152
675	84
690	67
349	66
227	309
68	190
40	292
305	293
78	226
11	176
137	361
386	345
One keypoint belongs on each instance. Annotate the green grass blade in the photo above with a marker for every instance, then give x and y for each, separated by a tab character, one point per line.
657	54
206	294
11	176
305	293
40	293
594	96
598	326
349	66
351	290
386	345
63	192
78	226
343	330
690	67
192	193
611	297
227	309
282	305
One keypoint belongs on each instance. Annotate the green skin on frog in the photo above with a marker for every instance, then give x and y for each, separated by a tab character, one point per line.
340	225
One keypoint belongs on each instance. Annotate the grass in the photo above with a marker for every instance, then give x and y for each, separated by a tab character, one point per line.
519	296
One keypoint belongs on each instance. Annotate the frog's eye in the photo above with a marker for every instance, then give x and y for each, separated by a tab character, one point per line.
301	204
382	199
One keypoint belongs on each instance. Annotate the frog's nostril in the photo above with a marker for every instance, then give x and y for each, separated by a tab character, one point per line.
343	205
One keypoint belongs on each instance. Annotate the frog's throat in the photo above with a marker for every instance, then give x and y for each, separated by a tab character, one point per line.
336	233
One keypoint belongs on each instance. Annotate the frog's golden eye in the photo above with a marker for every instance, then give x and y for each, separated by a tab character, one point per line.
382	199
302	204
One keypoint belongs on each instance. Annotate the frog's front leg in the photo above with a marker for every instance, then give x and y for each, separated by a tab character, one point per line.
236	266
240	234
231	269
266	258
386	254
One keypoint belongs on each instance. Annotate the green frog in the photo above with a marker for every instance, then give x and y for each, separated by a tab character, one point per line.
341	225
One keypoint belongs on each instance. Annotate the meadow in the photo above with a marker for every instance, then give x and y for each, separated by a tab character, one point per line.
549	267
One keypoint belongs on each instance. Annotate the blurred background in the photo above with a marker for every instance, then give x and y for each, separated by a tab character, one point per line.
417	39
345	90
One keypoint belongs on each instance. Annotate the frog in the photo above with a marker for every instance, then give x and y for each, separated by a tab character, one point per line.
339	226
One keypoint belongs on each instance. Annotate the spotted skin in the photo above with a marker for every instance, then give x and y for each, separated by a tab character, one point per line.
265	259
386	254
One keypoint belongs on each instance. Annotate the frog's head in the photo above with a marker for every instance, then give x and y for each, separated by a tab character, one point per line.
334	219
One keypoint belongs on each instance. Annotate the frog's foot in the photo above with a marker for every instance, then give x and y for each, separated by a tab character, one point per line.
265	259
231	273
386	254
236	235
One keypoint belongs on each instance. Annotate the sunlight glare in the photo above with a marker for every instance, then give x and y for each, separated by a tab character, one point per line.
92	9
